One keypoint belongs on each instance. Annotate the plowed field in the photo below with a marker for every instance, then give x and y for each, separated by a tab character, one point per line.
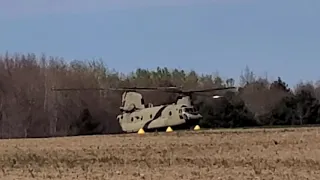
245	154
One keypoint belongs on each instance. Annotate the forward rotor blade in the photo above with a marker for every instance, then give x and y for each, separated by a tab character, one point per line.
77	89
207	95
209	90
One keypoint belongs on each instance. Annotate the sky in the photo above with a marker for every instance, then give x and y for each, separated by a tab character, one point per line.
273	38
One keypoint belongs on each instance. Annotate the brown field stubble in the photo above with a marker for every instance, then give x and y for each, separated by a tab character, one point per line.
275	154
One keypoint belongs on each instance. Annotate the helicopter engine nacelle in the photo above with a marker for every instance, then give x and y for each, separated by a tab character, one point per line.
131	101
186	100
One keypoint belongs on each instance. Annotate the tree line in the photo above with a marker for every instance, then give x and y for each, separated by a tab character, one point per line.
29	108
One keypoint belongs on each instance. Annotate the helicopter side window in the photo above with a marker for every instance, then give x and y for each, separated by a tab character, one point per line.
150	115
142	101
170	113
141	118
132	119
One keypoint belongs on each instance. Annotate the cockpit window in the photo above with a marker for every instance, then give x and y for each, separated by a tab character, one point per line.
190	110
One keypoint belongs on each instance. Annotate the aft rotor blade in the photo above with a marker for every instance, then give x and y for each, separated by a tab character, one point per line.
167	89
77	89
174	89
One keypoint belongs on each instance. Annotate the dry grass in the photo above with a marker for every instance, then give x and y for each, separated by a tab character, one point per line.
276	154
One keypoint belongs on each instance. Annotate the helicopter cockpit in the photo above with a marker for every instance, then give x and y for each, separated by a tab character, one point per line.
190	110
189	113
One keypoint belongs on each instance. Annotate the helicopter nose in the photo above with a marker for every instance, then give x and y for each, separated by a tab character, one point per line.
188	116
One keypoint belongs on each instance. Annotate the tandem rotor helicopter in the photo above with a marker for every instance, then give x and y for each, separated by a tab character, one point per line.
136	116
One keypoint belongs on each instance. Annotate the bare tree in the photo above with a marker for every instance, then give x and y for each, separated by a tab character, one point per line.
247	77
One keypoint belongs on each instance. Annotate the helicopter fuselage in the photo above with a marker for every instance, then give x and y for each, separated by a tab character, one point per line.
135	115
158	117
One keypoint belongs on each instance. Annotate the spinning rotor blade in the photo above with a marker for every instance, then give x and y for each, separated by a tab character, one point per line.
209	90
145	88
175	89
170	89
215	96
77	89
166	89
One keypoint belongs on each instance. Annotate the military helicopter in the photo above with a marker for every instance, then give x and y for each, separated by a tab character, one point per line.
136	115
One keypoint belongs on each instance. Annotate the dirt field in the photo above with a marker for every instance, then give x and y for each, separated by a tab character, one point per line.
272	154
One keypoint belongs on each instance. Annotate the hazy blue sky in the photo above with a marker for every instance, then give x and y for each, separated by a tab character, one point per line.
277	37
